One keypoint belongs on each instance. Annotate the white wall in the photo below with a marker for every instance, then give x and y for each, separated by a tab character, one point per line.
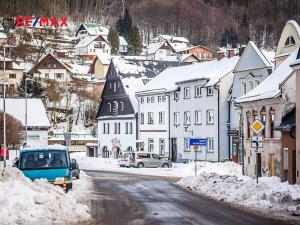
204	130
125	140
52	72
37	138
156	131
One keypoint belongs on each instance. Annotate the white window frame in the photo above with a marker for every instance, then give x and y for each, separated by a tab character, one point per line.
161	117
176	118
159	98
208	116
162	146
198	88
243	87
187	118
198	117
187	93
150	144
210	145
186	145
150	116
210	91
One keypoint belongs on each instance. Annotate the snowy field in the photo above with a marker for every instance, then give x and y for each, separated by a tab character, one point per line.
221	181
25	202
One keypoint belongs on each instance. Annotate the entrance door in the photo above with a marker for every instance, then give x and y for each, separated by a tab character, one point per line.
271	165
105	152
259	164
174	149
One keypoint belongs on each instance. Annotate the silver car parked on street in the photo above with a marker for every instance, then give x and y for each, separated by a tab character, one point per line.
140	160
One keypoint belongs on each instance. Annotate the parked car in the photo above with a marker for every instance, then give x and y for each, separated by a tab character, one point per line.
75	170
50	162
140	160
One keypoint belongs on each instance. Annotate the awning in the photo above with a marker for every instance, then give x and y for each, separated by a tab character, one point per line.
288	122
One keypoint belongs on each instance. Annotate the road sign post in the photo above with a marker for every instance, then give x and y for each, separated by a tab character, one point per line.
257	140
197	143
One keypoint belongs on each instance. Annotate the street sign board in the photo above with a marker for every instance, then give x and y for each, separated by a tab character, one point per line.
257	141
257	126
233	133
198	141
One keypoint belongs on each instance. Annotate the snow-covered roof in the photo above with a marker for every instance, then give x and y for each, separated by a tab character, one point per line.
104	59
262	56
211	70
178	46
270	55
26	66
270	87
96	29
79	69
197	46
86	41
152	48
123	42
140	68
36	112
183	57
174	38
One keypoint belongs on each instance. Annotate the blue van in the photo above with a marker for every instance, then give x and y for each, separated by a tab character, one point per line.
51	162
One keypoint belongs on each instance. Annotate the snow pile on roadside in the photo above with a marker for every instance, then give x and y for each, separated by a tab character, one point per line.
25	202
230	186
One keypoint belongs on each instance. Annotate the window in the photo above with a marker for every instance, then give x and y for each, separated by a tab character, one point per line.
46	75
142	118
109	107
187	92
117	128
176	95
243	88
161	146
289	41
164	98
210	117
159	98
187	118
54	65
187	144
126	128
176	118
198	117
150	145
150	118
160	51
122	106
148	99
263	120
142	100
59	76
272	122
197	91
251	85
257	82
210	91
210	144
130	128
105	128
152	99
115	86
12	76
116	107
161	117
248	116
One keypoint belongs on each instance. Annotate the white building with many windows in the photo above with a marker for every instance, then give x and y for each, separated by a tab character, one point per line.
186	101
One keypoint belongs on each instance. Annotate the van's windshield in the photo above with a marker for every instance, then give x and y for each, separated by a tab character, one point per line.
50	159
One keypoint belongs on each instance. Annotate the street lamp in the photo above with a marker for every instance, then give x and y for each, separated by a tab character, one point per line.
4	82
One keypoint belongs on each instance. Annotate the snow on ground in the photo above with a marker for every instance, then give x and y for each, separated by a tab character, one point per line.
25	202
177	170
225	182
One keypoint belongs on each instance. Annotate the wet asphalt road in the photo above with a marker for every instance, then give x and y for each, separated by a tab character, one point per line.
127	199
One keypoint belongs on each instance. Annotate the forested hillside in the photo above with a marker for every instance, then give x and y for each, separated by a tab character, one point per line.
208	22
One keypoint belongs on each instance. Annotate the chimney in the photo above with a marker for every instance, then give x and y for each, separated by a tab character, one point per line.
241	50
230	53
220	55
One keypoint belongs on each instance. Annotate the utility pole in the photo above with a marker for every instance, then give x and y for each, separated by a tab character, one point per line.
25	108
4	112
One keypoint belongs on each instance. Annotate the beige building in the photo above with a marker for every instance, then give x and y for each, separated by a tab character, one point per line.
13	71
100	66
270	102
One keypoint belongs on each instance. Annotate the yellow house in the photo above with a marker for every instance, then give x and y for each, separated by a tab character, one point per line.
100	66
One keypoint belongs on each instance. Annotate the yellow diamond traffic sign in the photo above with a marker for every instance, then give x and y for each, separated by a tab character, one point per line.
257	126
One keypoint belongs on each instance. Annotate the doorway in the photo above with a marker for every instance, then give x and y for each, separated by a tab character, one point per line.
174	149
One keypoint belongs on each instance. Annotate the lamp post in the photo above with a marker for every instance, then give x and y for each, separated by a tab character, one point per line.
4	82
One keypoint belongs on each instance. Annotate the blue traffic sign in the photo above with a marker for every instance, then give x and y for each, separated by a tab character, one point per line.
198	141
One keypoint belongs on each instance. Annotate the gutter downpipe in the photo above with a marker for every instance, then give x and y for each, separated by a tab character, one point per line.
218	123
169	126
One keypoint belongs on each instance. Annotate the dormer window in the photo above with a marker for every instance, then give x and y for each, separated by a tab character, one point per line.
289	41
